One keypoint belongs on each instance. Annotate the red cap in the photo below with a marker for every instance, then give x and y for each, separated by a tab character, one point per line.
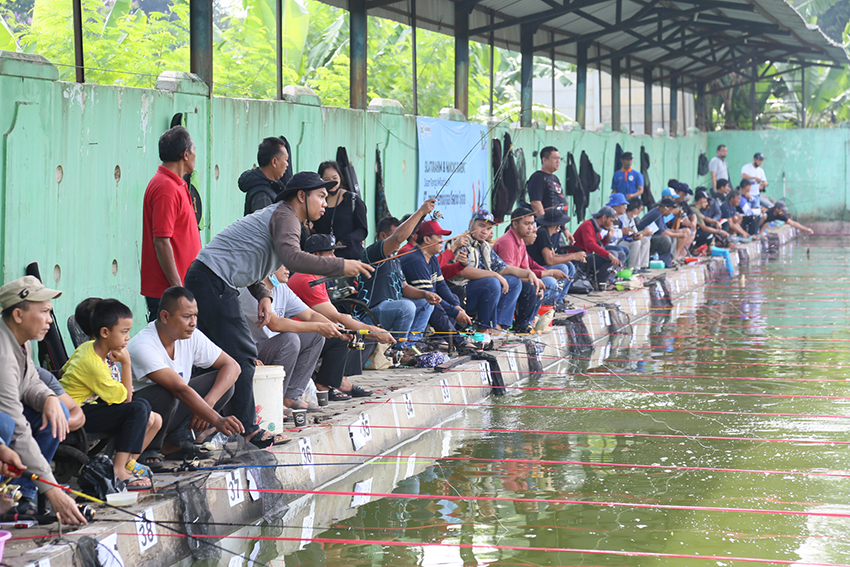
430	227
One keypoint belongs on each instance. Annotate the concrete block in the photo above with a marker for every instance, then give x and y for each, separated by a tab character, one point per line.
180	82
27	65
386	105
301	95
448	113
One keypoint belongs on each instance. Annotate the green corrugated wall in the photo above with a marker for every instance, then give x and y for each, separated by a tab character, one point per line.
85	228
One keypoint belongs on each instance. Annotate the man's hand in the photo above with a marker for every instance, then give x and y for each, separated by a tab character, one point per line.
426	208
580	256
229	425
198	423
614	260
264	312
570	238
505	285
538	284
53	415
724	234
65	508
353	268
382	336
637	236
432	298
328	330
462	257
463	318
8	458
557	274
459	242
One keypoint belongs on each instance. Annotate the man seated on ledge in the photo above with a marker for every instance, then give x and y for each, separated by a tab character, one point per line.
163	355
588	239
43	423
338	362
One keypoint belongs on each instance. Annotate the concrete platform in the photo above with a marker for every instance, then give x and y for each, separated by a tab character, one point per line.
397	419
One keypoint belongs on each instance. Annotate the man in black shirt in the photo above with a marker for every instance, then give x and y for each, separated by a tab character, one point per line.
544	188
731	215
779	212
543	249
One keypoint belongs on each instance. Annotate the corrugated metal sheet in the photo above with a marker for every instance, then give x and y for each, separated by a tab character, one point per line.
712	37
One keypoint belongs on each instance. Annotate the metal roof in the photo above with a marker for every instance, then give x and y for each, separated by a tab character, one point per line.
693	40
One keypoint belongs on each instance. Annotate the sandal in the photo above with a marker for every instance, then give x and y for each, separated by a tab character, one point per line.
358	392
337	396
309	406
153	460
136	468
136	482
259	439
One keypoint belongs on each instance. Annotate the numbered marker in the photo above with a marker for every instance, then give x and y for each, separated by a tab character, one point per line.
146	531
562	337
694	274
235	561
512	361
484	370
411	466
366	426
360	431
408	405
235	494
633	305
253	486
602	319
607	317
444	388
107	553
360	487
659	289
306	450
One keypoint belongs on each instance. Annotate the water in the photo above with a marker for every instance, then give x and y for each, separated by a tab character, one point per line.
743	331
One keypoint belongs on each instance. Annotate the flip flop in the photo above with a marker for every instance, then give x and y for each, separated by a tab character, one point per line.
309	406
260	440
137	487
337	396
155	466
358	392
189	450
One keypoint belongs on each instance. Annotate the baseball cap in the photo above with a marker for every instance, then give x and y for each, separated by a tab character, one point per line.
758	155
668	192
27	288
627	155
616	200
683	188
781	205
605	212
428	228
321	243
483	214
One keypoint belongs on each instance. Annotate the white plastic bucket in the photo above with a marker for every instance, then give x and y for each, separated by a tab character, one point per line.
268	397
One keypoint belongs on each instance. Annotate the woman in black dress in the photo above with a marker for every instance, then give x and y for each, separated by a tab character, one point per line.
345	216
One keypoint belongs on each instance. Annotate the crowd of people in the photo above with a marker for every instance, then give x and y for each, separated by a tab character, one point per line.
250	297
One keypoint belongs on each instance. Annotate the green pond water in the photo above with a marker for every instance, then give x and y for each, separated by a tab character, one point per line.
743	337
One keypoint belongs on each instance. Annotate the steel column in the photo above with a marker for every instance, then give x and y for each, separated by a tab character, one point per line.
581	85
526	73
552	57
803	95
702	122
278	20
674	108
647	100
462	59
79	62
631	126
201	40
753	97
413	43
615	94
357	54
492	55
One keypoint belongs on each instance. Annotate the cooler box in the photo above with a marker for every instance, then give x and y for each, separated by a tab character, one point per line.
268	397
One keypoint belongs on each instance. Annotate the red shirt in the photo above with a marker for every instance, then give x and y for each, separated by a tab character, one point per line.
511	249
587	238
167	212
300	286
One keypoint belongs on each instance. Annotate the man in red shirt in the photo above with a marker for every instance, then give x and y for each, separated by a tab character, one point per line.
170	235
589	238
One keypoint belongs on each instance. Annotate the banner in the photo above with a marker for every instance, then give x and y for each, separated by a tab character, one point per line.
442	147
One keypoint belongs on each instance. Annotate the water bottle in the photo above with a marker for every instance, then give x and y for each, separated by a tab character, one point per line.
655	256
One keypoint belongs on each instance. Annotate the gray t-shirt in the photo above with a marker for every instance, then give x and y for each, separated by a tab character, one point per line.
50	381
719	168
284	302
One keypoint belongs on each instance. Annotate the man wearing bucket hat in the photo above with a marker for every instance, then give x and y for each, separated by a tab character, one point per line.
41	420
242	256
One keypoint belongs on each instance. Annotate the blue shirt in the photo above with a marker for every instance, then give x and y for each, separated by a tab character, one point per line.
627	184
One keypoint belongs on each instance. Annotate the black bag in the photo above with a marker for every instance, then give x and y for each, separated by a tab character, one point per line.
496	379
97	478
349	175
702	165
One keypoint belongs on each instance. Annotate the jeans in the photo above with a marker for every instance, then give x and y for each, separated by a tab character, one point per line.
527	305
622	252
45	441
482	298
7	428
221	319
509	301
404	318
557	290
444	323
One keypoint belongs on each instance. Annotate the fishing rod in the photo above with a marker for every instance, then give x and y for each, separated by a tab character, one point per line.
34	477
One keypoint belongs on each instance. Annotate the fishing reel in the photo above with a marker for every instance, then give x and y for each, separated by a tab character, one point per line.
436	215
87	511
338	287
10	492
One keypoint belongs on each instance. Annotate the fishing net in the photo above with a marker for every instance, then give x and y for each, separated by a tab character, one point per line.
620	323
578	338
196	515
246	453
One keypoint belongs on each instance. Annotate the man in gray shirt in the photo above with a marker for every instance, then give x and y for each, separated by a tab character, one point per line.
241	256
717	167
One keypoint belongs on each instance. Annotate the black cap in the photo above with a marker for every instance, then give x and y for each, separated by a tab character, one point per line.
758	155
682	187
553	217
303	181
627	155
667	202
700	194
321	243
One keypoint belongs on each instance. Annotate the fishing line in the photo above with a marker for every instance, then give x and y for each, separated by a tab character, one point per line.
667	336
666	468
607	434
403	496
722	363
489	546
595	408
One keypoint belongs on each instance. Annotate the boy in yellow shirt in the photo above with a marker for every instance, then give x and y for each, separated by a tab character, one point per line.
107	403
